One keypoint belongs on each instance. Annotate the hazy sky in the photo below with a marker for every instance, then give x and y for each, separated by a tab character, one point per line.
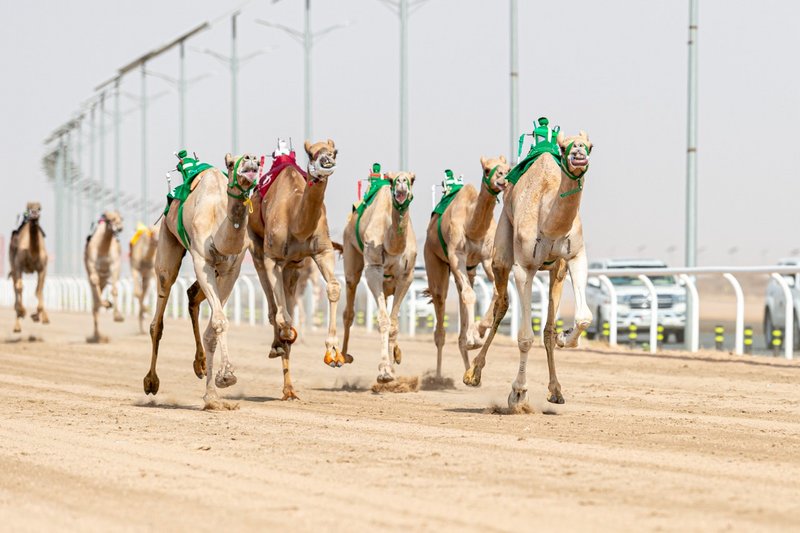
616	69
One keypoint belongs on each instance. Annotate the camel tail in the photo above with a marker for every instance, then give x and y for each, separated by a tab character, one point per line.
338	247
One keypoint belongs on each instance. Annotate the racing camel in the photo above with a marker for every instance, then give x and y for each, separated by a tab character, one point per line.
102	258
460	237
540	229
27	255
380	237
143	246
206	215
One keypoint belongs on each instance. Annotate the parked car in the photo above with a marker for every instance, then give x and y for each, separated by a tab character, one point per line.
633	299
775	305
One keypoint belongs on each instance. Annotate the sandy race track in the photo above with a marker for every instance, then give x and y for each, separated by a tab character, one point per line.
644	442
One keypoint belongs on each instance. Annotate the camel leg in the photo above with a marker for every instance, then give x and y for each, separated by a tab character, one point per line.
196	296
400	290
458	266
283	321
438	273
217	323
18	306
353	267
114	291
578	270
257	252
374	275
290	278
168	264
326	262
519	387
40	312
97	303
556	286
486	320
501	268
225	281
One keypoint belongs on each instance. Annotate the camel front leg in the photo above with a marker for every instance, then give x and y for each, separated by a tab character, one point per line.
217	323
579	272
18	305
97	303
283	324
400	291
487	319
225	281
374	275
556	287
325	262
519	387
114	290
468	338
40	311
438	284
353	267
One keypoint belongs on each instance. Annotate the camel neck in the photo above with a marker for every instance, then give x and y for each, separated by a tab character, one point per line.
34	237
564	209
481	216
229	238
395	238
310	211
105	239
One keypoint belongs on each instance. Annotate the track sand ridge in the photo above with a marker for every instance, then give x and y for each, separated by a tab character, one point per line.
675	442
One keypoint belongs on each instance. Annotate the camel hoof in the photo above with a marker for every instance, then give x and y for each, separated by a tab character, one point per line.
348	359
119	318
555	397
107	304
472	377
224	380
151	384
291	337
517	397
97	339
277	351
17	329
199	365
397	353
35	317
45	318
330	358
289	395
385	377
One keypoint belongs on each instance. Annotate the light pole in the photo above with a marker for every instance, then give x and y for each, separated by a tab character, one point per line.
403	8
117	120
307	39
691	150
180	84
143	105
92	135
514	80
102	173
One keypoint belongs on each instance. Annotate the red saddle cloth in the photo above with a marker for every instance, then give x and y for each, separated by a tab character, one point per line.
278	164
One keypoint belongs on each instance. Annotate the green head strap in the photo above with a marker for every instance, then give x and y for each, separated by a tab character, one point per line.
487	181
244	193
570	175
401	207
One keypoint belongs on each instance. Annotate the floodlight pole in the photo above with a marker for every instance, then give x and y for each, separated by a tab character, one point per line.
514	81
182	96
234	62
78	200
691	150
102	173
403	8
59	200
144	143
92	203
117	119
308	39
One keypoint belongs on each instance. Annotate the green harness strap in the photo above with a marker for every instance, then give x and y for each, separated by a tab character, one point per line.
440	208
375	185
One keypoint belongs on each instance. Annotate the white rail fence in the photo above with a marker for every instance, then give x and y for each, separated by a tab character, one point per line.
63	293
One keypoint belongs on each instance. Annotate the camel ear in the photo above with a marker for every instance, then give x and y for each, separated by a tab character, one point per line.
483	161
412	176
330	142
583	134
503	159
307	146
560	139
228	160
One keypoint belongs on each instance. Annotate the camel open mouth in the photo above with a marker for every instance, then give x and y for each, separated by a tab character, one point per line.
400	196
327	163
579	160
250	175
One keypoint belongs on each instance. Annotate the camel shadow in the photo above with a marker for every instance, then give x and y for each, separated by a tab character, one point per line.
155	404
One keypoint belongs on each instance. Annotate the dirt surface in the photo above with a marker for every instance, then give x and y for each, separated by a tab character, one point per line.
674	442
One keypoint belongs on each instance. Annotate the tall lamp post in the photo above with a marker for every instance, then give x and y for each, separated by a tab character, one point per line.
691	135
307	39
514	79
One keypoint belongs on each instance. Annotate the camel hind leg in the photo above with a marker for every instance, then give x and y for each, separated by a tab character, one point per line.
290	278
438	273
401	288
196	296
353	267
557	276
501	269
168	262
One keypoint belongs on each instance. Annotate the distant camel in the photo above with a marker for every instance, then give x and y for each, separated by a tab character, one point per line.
27	255
102	256
142	254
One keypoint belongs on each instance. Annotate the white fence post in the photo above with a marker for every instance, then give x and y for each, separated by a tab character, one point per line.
612	320
653	312
738	343
788	333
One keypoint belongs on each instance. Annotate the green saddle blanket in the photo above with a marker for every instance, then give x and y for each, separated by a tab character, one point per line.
189	169
375	185
536	151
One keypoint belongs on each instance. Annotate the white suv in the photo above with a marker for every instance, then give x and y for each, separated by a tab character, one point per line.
775	305
633	299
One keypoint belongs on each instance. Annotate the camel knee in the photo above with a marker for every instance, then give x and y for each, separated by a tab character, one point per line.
156	330
524	343
468	296
334	290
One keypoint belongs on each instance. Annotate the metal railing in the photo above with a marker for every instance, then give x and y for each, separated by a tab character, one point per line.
67	293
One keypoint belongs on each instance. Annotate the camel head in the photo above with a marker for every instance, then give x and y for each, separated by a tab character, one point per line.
33	210
242	174
321	160
113	221
495	170
575	152
402	182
